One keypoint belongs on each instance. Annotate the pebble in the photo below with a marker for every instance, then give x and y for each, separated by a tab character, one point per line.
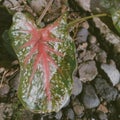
77	86
92	39
85	4
101	57
2	69
14	83
70	114
78	107
82	35
15	62
87	55
90	55
38	5
112	115
82	47
11	3
58	116
79	58
95	48
85	25
89	97
1	111
109	36
118	86
117	48
4	90
102	108
102	116
112	73
6	111
26	115
87	71
107	92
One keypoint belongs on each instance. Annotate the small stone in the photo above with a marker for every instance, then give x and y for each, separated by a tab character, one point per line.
112	73
54	12
14	83
84	118
77	86
95	48
102	116
1	111
4	90
85	4
85	25
86	55
82	35
6	111
89	55
92	39
101	57
70	114
82	54
89	97
109	36
118	86
58	115
87	71
27	115
107	92
102	108
11	3
78	108
38	5
15	62
113	112
2	69
117	48
82	47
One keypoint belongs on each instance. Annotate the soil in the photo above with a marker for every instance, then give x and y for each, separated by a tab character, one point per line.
96	87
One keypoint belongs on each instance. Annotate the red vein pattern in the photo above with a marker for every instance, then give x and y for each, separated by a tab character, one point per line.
39	42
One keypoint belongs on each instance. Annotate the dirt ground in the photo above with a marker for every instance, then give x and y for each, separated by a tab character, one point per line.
96	86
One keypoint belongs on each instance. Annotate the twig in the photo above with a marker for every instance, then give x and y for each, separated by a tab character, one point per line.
79	20
3	77
44	12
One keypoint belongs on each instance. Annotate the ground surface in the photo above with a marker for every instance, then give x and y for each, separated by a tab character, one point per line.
96	87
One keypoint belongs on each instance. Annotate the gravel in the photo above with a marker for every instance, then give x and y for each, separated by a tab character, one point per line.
106	91
87	71
82	35
112	72
77	86
78	108
96	83
89	97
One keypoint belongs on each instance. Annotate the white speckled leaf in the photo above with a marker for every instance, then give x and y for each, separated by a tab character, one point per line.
33	95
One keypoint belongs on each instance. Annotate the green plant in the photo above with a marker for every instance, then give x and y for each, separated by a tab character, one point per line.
47	61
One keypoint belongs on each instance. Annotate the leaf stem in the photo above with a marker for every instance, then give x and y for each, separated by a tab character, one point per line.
79	20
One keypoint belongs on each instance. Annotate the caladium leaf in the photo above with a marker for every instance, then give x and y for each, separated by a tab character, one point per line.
47	61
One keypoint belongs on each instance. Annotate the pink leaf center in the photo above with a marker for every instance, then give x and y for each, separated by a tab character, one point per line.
39	45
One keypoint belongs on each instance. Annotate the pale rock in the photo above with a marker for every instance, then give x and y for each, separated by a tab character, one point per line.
112	73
